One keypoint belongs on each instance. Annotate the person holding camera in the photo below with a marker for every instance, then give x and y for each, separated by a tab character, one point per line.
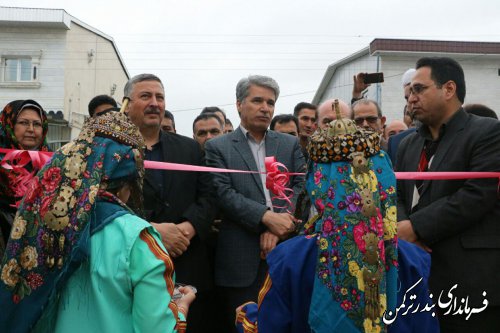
366	113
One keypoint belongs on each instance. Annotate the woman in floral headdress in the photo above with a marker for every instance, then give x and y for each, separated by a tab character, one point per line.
78	259
23	126
340	274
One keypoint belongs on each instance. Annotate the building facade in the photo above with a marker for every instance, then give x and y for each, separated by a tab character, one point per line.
480	61
62	63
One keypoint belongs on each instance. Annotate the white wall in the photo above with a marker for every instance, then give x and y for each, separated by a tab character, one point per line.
51	43
392	100
341	84
482	80
84	79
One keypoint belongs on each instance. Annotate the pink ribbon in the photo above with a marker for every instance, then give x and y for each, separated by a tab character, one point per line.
20	158
16	161
277	180
39	158
445	175
186	167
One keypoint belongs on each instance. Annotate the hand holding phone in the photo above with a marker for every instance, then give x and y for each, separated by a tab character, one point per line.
183	296
373	77
178	291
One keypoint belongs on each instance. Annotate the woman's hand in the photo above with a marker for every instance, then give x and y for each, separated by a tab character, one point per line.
187	298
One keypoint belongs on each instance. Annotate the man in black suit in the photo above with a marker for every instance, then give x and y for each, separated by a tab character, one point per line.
176	203
253	218
458	221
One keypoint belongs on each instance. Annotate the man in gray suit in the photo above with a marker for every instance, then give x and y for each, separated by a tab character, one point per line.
457	220
253	220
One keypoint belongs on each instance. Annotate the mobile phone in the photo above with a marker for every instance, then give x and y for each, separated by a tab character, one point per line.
373	77
177	294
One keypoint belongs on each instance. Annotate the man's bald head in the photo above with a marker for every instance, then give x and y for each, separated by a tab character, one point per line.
394	127
326	113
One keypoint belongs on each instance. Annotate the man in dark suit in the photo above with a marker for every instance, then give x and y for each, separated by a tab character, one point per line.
176	203
457	220
253	219
394	142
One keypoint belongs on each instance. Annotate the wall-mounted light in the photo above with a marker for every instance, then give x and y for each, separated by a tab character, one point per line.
112	89
91	55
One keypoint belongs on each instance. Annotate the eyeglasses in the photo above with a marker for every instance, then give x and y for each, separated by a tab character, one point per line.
28	123
417	88
370	120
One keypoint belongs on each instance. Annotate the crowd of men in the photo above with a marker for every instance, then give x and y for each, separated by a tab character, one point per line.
455	220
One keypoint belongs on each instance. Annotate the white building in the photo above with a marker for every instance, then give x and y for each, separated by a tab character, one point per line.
62	63
480	61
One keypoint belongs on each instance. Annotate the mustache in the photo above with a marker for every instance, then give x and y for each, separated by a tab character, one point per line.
152	111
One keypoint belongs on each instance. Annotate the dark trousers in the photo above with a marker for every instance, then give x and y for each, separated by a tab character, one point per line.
487	321
229	298
202	312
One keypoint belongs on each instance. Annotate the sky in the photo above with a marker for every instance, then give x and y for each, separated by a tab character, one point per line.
202	48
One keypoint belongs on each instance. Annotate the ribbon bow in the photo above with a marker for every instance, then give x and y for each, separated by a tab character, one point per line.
277	180
16	161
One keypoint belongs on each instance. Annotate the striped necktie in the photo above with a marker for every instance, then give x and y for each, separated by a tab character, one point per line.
424	164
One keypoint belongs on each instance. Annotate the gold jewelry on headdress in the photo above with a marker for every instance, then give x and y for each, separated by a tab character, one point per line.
116	126
340	139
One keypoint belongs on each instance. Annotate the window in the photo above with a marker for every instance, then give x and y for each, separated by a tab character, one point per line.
18	70
58	134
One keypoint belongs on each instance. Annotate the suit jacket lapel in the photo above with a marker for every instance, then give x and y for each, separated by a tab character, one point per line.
452	131
272	143
241	145
168	156
149	180
412	154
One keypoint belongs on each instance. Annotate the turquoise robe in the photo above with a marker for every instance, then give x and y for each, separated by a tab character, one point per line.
125	286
